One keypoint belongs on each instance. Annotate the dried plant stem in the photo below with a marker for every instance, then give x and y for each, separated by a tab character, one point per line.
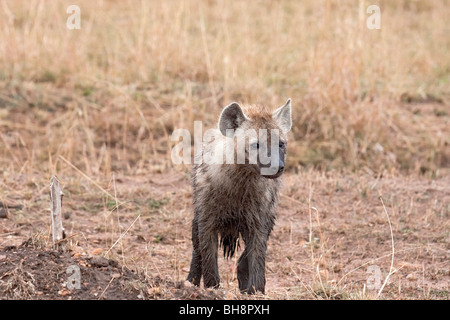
122	235
391	271
87	177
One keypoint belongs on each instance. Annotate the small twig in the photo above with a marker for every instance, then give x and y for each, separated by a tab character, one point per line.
87	177
393	251
293	200
69	237
371	261
310	215
9	206
101	295
311	239
122	235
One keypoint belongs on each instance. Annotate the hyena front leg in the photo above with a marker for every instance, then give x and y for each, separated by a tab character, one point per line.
256	262
208	240
195	273
242	271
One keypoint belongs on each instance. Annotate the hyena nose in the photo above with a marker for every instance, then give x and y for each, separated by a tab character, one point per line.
281	166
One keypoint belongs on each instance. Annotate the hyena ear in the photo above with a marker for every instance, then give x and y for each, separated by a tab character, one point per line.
231	118
283	116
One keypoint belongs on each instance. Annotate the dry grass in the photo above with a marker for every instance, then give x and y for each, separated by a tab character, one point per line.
19	285
96	106
138	69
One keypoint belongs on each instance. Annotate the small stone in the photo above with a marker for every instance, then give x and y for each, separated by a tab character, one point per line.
64	292
97	251
67	215
98	261
3	213
411	277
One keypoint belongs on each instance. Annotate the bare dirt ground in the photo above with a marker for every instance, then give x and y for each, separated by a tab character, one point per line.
332	240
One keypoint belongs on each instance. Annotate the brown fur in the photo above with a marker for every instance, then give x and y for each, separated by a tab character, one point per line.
233	201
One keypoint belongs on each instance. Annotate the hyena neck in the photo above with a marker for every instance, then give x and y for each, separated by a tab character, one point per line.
239	177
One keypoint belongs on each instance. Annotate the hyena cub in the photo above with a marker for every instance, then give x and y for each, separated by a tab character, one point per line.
235	193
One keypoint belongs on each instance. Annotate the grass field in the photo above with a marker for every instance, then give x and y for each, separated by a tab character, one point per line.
97	105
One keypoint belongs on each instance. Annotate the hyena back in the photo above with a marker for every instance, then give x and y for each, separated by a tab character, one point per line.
238	199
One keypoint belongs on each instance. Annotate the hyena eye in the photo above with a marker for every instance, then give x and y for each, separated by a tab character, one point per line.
254	146
282	145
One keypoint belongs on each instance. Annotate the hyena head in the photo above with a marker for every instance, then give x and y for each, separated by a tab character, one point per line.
258	136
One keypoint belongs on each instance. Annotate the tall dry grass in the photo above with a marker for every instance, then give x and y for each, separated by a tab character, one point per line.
106	97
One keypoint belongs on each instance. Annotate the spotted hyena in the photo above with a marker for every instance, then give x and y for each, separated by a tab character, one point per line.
237	195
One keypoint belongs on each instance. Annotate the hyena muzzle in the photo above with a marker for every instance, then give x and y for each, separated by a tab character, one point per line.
238	198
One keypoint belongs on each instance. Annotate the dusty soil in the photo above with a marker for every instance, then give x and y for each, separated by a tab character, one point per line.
31	273
331	234
43	274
